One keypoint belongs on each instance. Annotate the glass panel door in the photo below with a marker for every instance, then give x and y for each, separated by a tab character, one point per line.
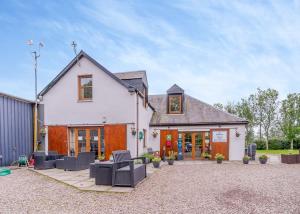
188	145
94	139
198	145
81	140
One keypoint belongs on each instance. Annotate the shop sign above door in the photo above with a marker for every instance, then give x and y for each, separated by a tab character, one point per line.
219	136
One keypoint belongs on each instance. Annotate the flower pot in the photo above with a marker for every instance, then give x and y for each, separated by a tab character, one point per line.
245	161
263	161
171	162
156	164
219	161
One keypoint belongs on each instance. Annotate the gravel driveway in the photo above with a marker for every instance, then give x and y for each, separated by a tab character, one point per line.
201	188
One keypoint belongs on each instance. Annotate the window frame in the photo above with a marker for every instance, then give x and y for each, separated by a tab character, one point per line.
180	103
80	97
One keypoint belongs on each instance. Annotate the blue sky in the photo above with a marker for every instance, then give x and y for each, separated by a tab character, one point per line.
218	51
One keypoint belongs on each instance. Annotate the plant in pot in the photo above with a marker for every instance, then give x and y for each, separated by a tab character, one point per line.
263	159
156	162
171	157
206	155
219	157
101	157
246	159
148	157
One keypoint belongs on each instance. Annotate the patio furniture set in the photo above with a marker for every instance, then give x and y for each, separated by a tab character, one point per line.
123	170
54	160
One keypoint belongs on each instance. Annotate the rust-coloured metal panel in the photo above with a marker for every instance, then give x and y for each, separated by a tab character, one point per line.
115	138
58	139
163	139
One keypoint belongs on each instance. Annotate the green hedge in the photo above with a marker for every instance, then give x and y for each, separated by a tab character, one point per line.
277	144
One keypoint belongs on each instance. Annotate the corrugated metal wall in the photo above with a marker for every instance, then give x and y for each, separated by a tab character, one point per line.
16	128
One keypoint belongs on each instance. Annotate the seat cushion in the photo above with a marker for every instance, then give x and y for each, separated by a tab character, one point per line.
127	168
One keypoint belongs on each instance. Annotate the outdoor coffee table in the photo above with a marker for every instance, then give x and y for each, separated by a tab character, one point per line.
103	173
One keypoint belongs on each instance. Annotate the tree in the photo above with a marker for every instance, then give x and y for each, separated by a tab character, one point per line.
268	102
230	107
244	110
290	117
219	106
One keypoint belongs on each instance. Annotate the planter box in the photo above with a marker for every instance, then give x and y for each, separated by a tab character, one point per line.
290	159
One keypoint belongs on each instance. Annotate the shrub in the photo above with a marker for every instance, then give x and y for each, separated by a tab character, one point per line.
149	156
263	157
260	144
246	158
206	155
172	155
219	156
156	159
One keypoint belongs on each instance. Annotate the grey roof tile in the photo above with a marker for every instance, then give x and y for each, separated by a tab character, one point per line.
195	112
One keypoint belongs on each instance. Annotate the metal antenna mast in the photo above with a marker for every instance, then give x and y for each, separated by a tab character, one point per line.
35	55
74	45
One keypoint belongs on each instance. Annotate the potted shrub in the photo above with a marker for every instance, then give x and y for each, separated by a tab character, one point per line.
263	159
148	157
206	155
219	157
101	157
156	162
246	159
171	157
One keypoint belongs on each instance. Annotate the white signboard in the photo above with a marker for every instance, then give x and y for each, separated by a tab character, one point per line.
219	136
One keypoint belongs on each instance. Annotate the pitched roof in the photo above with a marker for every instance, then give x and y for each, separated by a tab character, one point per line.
133	75
195	111
73	62
175	89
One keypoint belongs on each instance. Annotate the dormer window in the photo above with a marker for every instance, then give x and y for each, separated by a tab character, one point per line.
175	104
175	100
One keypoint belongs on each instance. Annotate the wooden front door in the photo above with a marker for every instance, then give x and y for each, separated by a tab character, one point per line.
220	142
87	139
163	140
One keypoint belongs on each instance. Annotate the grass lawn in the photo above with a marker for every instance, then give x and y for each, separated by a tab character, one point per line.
283	151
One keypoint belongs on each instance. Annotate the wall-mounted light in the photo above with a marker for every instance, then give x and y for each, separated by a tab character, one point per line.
133	131
154	133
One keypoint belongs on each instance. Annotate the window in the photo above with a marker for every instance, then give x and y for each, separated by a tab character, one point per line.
85	87
175	104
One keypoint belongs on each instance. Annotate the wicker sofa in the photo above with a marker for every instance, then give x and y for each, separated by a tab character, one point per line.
125	172
72	163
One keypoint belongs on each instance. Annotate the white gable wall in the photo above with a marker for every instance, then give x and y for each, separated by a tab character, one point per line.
110	99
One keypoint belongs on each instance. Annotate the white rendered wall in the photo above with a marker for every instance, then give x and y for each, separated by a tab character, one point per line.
110	99
236	144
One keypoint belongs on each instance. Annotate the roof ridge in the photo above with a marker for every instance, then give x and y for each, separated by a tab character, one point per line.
72	63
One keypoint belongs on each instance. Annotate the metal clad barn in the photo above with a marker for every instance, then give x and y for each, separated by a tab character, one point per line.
16	128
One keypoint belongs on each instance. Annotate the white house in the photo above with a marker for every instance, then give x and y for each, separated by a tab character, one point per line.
86	107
